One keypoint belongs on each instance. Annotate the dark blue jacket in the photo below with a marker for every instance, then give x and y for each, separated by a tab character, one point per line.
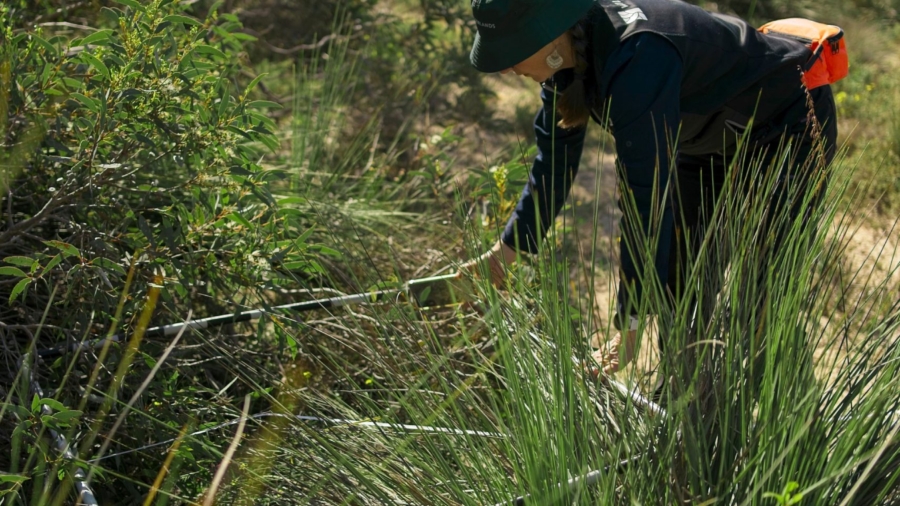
666	77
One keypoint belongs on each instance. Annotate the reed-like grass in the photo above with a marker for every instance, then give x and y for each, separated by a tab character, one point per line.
785	372
769	382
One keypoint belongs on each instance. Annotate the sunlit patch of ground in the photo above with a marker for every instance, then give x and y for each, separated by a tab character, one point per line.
506	123
868	283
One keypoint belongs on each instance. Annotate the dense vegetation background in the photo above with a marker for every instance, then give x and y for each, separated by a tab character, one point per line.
174	159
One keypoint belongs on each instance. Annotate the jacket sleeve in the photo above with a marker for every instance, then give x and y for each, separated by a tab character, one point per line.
552	173
644	112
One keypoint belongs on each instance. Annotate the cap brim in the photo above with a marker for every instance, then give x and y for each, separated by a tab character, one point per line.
501	53
493	54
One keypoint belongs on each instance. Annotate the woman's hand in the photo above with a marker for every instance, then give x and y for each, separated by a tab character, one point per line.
496	259
617	353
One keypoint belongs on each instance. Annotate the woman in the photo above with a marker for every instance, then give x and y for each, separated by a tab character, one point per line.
676	84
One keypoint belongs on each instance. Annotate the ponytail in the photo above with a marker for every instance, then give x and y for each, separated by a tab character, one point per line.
573	105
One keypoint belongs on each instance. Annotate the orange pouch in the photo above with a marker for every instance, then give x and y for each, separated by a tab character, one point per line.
829	62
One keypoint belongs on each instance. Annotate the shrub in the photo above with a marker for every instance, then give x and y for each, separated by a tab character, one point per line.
149	156
130	151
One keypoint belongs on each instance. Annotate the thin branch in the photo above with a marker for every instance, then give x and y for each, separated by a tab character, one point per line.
303	47
140	390
52	205
66	24
226	460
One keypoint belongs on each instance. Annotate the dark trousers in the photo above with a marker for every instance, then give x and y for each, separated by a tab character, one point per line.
699	182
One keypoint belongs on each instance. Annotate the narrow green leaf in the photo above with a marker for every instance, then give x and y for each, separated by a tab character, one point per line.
206	49
263	120
75	84
66	248
185	20
187	62
119	61
244	36
288	211
66	415
270	141
54	404
108	264
110	14
96	63
148	360
50	48
56	260
99	36
325	250
12	271
22	427
292	200
35	403
45	74
50	421
88	102
223	106
237	218
315	268
12	478
238	131
253	83
20	261
133	4
264	104
304	236
21	413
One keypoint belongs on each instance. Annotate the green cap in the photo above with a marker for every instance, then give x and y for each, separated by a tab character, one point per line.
509	31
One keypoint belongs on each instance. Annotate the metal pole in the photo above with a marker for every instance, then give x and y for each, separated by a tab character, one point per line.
216	321
424	292
652	408
638	399
441	290
332	423
85	494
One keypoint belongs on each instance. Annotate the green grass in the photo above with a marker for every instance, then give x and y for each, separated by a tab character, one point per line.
747	414
790	379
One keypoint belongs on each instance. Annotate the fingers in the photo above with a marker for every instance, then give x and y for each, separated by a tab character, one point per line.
494	261
617	353
611	368
613	356
497	270
590	368
607	359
